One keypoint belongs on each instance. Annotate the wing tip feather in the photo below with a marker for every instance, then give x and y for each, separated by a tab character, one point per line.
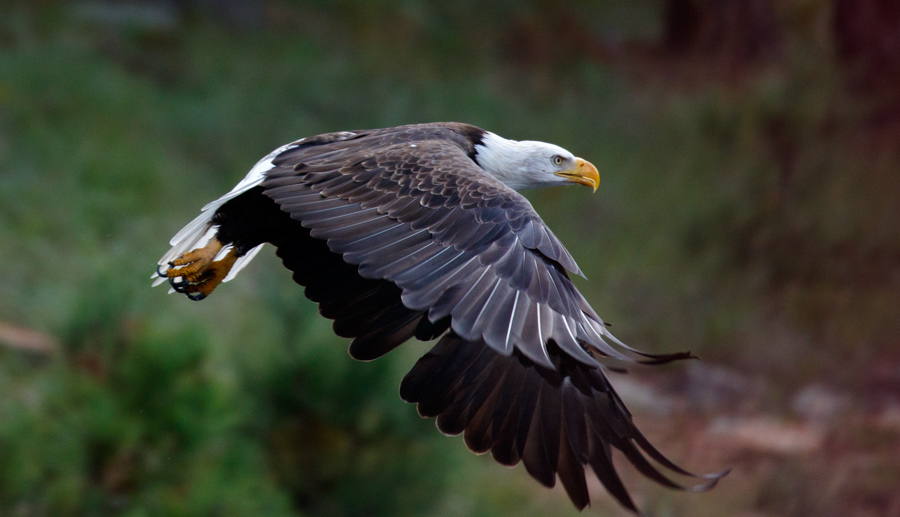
521	427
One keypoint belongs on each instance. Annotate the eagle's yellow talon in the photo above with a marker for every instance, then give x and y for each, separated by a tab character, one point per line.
198	272
191	264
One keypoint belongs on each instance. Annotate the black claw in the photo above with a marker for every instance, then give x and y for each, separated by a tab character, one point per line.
179	285
161	272
196	296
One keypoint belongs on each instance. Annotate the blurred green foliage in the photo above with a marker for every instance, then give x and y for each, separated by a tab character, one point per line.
733	213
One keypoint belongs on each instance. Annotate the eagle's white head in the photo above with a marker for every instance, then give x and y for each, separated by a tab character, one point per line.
528	164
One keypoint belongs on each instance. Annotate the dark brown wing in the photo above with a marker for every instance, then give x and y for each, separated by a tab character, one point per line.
410	206
403	235
556	421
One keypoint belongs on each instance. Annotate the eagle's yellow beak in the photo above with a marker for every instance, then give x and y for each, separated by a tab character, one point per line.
584	173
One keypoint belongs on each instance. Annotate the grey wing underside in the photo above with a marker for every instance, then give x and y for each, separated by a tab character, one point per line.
458	243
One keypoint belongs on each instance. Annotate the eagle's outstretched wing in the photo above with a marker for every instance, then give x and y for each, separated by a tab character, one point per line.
397	233
457	242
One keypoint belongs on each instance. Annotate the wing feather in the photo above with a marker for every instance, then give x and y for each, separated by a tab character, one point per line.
412	258
556	421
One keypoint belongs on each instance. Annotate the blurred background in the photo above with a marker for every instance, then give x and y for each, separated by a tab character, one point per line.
748	210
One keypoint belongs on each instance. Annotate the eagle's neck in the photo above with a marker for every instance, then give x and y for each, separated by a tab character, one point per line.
505	160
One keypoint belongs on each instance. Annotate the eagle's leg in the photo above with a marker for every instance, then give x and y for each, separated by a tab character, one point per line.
197	273
241	225
192	264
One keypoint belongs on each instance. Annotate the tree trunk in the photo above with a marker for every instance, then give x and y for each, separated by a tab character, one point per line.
867	40
735	31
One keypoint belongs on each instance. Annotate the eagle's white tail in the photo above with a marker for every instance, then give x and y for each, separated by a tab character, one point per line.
198	233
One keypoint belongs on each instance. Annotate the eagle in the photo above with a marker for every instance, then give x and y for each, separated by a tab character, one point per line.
418	231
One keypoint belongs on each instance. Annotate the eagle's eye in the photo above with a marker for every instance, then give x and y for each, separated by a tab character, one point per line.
557	160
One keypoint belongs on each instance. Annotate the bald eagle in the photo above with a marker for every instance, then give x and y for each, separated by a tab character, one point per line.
418	231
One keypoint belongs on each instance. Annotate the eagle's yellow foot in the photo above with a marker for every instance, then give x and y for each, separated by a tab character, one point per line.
197	273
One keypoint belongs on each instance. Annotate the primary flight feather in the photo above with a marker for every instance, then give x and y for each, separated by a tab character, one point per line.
418	231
